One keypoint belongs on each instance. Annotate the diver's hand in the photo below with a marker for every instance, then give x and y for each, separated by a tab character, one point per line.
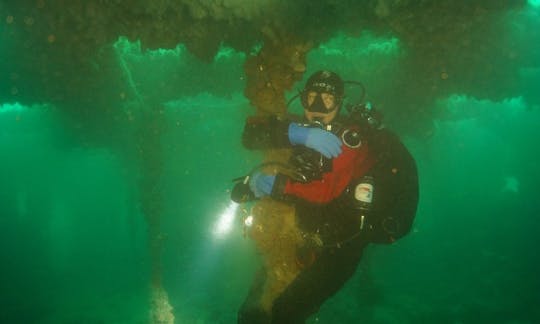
318	139
261	184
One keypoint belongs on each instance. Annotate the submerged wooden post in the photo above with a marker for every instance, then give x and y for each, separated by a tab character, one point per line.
151	159
278	65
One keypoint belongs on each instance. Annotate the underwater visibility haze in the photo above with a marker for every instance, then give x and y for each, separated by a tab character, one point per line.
120	134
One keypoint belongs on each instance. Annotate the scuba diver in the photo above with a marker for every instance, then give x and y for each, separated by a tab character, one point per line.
351	182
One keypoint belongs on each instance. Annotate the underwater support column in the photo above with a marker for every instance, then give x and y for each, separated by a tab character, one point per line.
278	65
150	154
150	126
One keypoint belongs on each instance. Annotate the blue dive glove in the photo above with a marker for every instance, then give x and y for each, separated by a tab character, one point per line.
261	184
318	139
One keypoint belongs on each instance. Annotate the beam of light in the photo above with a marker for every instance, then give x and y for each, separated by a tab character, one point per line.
248	221
534	3
225	222
15	107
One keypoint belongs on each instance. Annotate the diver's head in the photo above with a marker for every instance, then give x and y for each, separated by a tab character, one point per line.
322	96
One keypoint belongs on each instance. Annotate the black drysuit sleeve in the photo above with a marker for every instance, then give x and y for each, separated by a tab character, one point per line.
266	132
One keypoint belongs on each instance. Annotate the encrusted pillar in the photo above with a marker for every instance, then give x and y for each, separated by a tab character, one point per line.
150	154
278	65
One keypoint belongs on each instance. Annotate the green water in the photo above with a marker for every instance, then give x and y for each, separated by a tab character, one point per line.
74	246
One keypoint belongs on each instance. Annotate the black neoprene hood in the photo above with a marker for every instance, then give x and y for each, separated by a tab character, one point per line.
325	81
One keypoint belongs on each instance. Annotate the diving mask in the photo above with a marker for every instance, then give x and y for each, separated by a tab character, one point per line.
320	106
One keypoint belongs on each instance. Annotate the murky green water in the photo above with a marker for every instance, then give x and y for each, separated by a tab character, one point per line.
74	240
